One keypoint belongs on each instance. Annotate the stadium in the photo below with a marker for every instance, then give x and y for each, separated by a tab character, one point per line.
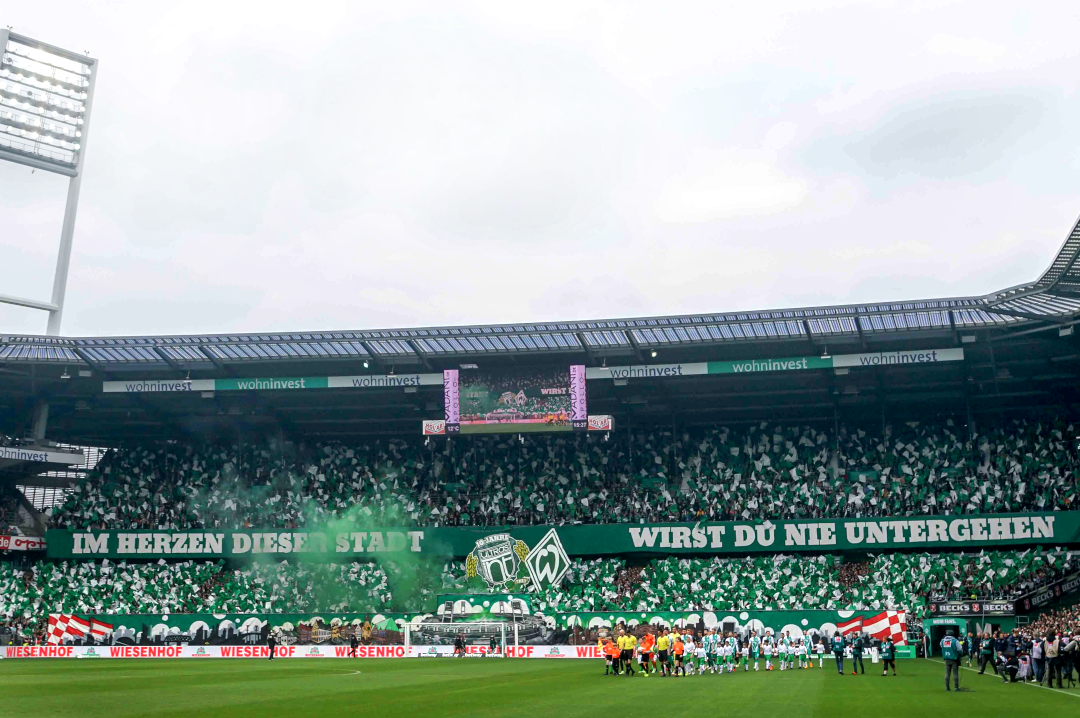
806	495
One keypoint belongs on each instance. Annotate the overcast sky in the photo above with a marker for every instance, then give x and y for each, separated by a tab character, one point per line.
344	165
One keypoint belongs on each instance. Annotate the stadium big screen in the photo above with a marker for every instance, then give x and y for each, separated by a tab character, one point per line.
524	400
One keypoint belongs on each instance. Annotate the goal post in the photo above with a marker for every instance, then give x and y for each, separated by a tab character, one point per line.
434	638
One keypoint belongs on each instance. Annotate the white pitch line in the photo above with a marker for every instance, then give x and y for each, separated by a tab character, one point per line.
1035	685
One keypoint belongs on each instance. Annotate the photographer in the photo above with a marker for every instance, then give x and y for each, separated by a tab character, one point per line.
1038	659
1007	668
1052	651
1069	654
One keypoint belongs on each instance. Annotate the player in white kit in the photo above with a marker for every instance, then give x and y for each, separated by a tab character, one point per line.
702	657
690	651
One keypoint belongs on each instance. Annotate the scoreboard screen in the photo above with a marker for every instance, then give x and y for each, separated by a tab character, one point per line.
515	401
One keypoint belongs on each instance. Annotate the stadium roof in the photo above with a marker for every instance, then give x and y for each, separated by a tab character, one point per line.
612	337
1013	353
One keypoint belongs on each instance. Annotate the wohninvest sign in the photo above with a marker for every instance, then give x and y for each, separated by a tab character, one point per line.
363	381
786	364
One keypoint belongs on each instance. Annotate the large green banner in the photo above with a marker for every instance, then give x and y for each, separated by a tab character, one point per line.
829	535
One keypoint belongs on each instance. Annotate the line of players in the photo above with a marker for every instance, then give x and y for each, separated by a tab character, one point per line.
673	654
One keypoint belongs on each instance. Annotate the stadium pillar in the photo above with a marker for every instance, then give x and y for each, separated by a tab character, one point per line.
39	421
63	258
994	368
67	229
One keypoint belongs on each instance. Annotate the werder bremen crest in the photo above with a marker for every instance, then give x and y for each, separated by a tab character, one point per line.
547	562
507	564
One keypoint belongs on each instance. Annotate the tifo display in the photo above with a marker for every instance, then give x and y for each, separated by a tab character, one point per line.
774	530
764	472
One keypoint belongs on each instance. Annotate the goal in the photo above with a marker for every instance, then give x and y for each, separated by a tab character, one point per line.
436	638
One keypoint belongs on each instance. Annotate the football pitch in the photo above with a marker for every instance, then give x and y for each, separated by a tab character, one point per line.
492	687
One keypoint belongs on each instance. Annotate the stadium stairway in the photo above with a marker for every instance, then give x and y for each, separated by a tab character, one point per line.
28	520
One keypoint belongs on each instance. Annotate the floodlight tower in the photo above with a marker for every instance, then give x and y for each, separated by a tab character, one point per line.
45	99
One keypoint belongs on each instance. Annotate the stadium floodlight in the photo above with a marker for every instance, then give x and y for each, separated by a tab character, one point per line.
45	98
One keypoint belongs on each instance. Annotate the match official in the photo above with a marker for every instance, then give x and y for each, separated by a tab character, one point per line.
626	652
663	646
271	643
857	647
838	651
950	651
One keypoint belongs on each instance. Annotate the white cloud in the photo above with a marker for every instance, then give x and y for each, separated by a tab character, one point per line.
972	48
728	185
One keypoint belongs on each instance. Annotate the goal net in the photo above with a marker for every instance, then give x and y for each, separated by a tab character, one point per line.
437	638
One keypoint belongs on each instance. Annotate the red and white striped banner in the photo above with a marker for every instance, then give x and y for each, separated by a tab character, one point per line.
21	543
66	624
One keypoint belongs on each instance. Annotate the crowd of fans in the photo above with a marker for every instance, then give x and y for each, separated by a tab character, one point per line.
766	472
778	582
190	587
1056	620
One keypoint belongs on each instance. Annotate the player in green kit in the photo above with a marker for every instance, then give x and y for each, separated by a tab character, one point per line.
714	651
755	647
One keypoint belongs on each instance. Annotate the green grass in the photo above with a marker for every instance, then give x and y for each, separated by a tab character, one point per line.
491	687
